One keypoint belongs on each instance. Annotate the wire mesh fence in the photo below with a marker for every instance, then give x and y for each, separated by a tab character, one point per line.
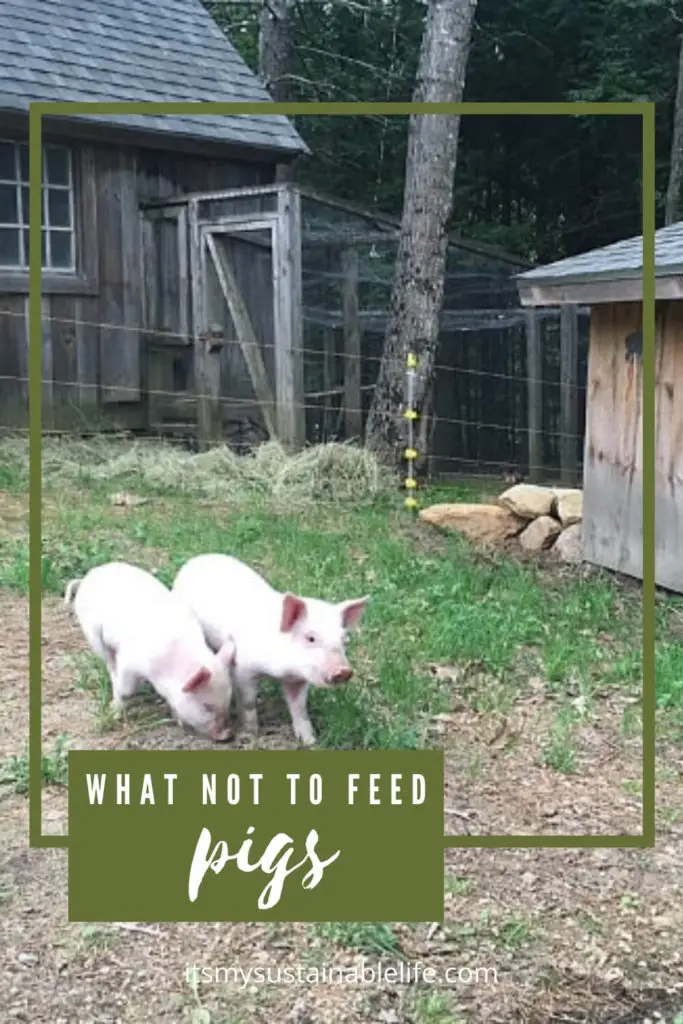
493	408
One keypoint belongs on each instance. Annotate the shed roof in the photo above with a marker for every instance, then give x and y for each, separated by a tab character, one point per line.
610	273
619	260
139	51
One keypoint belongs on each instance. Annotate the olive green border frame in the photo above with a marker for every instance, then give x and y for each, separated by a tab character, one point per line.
646	111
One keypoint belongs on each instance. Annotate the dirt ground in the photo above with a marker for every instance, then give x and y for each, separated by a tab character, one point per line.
576	935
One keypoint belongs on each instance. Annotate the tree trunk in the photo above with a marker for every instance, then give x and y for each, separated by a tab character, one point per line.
417	294
673	192
276	54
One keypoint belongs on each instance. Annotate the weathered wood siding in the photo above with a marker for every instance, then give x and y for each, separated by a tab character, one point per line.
613	525
243	267
93	341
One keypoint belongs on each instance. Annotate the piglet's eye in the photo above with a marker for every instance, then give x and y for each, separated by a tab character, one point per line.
310	638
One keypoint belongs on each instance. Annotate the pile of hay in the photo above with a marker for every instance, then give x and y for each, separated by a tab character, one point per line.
333	472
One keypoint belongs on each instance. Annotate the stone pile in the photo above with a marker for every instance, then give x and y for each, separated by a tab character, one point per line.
538	518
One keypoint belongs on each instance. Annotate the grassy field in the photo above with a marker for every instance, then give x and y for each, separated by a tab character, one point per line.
434	600
527	673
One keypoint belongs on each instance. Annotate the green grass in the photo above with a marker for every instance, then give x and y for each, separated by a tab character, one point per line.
337	529
558	752
378	939
434	1008
457	886
54	769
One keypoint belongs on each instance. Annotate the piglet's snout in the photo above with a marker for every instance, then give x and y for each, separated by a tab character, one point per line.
341	675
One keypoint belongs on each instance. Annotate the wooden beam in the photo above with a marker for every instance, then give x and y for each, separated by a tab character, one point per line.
46	369
569	372
353	412
21	332
87	342
289	335
207	366
183	276
246	336
535	394
591	293
341	240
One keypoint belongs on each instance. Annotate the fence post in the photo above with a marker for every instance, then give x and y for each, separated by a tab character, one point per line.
289	347
534	393
207	379
352	339
569	371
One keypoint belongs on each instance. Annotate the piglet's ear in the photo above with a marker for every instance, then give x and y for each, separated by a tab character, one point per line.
198	679
352	611
293	608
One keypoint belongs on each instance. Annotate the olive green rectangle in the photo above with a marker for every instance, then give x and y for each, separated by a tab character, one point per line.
379	814
644	110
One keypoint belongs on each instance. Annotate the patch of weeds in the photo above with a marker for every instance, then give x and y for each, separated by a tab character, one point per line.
634	787
558	753
13	477
590	924
65	557
434	1008
632	721
461	931
629	901
474	767
367	938
95	937
669	676
671	816
54	768
92	678
457	886
512	933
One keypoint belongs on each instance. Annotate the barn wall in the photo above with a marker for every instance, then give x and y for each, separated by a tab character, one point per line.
92	326
613	449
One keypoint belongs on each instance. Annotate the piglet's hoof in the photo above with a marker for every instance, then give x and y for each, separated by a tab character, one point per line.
221	734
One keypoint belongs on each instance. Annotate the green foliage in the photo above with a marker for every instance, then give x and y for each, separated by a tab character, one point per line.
539	187
368	938
54	768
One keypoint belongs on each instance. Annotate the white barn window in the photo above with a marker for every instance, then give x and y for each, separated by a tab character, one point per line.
58	234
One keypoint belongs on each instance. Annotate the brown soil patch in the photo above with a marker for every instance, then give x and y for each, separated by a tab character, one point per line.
573	935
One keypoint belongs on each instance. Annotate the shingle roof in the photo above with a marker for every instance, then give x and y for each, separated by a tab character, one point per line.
135	50
620	260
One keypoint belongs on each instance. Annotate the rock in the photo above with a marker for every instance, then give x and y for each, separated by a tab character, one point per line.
568	507
540	534
125	500
488	524
569	545
527	500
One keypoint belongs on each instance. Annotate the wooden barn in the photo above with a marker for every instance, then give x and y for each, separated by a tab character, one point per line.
609	281
164	238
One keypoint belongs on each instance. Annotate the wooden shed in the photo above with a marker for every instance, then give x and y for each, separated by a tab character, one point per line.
164	238
609	281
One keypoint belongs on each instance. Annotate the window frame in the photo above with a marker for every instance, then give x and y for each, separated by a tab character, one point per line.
82	277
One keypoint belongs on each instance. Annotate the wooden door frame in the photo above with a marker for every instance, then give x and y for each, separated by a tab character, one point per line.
288	422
